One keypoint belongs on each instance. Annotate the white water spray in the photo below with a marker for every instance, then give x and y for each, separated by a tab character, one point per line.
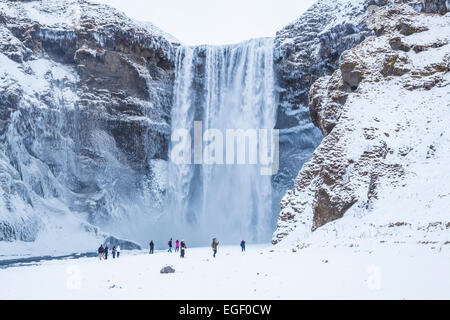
225	87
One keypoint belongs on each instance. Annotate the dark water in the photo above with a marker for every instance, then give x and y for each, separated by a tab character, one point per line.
32	261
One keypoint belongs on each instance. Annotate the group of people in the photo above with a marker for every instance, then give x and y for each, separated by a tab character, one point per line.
179	246
103	252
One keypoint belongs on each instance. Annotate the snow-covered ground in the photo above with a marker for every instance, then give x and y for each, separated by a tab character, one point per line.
370	271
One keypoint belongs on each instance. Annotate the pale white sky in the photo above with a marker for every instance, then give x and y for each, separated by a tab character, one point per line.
214	21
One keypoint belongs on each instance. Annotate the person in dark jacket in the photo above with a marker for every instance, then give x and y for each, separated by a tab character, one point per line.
152	246
106	252
214	245
101	251
114	252
242	245
182	248
170	246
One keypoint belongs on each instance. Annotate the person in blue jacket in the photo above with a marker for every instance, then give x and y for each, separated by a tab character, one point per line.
242	245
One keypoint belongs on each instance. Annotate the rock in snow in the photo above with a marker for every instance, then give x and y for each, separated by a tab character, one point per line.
167	269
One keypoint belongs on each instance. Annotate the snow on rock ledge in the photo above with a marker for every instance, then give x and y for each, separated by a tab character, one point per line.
381	171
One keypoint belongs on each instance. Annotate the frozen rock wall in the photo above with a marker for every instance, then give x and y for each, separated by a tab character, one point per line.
85	98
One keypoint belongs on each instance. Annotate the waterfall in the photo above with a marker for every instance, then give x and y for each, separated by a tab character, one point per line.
225	87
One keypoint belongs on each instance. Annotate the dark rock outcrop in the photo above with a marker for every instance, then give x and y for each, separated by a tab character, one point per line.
124	244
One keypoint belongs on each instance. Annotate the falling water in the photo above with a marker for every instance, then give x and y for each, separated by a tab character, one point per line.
225	87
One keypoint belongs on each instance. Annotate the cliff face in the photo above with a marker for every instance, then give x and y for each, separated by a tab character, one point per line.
381	165
85	97
305	50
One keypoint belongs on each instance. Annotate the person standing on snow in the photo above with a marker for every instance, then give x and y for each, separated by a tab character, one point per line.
242	245
177	245
183	248
214	245
152	245
114	252
170	245
118	250
106	252
101	250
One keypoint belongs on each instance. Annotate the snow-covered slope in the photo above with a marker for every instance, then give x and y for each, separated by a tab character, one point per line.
85	96
381	171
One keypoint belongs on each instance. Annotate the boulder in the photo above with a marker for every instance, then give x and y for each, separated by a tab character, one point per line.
167	269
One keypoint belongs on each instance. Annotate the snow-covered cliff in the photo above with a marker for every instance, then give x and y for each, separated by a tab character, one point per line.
305	50
380	172
85	97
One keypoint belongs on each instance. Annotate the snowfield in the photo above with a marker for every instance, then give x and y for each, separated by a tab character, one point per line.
370	271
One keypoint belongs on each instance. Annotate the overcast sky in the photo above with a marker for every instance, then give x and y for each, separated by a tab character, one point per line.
214	21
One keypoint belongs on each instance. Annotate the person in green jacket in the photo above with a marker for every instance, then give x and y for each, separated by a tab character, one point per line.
214	245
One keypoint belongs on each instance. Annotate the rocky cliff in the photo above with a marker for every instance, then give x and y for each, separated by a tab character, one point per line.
307	49
380	169
85	97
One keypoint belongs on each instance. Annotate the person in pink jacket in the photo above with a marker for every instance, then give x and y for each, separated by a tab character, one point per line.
177	246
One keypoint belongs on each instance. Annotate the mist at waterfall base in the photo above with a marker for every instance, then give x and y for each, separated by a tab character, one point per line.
225	87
